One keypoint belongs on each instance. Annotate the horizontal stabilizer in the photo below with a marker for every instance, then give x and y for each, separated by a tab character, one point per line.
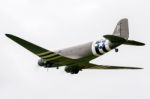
135	43
115	39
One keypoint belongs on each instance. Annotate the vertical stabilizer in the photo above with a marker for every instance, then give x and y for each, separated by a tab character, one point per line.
122	29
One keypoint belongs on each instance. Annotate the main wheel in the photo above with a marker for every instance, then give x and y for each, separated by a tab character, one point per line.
75	72
116	49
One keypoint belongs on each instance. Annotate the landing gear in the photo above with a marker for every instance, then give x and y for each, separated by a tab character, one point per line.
116	49
75	72
72	69
57	67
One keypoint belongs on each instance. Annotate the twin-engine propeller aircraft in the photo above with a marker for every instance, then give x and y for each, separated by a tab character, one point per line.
77	58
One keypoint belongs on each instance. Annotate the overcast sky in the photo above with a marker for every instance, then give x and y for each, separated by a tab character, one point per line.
56	24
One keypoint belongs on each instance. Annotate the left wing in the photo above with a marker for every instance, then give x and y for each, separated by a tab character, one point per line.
41	52
94	66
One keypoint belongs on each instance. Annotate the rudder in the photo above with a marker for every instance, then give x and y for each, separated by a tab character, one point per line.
122	29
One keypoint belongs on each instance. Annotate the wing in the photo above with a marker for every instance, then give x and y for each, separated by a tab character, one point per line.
94	66
41	52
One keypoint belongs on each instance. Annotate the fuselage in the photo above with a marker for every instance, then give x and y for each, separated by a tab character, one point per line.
88	50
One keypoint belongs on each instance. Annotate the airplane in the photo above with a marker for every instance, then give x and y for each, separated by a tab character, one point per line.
77	58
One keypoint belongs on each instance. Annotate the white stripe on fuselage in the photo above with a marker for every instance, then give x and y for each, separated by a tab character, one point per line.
93	49
100	49
107	45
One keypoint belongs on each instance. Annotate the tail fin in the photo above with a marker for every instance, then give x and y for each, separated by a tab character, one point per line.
122	29
121	34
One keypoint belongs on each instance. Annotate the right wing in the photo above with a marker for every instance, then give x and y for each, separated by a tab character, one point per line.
94	66
41	52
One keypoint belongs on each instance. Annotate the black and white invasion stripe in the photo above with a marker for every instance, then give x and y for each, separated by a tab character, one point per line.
100	47
48	56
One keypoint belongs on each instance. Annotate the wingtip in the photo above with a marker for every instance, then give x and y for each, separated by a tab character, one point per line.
8	35
138	68
141	44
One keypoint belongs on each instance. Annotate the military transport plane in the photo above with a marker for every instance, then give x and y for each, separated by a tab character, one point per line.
78	57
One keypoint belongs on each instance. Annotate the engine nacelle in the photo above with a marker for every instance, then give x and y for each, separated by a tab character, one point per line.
41	62
46	64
